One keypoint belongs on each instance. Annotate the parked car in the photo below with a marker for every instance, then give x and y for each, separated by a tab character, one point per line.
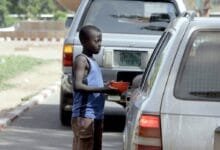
131	29
176	106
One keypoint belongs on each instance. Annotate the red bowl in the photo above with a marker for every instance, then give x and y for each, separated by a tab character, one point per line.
120	85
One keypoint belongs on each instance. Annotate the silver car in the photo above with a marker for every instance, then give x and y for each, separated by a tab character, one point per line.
131	29
177	105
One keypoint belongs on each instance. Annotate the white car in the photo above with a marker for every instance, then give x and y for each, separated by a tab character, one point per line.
177	104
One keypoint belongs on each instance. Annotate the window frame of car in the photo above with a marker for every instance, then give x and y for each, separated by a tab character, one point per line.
84	15
183	63
160	47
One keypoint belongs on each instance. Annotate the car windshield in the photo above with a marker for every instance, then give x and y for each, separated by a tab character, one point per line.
130	16
199	73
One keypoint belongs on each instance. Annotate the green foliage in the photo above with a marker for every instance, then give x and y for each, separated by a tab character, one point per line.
10	21
60	15
11	66
3	12
47	7
30	9
13	7
33	8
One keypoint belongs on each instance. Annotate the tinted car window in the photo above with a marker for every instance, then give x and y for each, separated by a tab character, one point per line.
155	63
130	16
199	74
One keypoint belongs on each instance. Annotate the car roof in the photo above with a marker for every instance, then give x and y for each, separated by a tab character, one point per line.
206	21
196	22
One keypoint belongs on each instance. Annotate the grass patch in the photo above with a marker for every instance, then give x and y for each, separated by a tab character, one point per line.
11	66
5	86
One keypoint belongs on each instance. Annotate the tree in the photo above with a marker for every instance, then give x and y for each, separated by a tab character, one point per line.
33	8
47	7
13	6
30	8
3	12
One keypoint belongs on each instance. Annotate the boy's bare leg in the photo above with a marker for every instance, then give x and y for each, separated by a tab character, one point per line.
98	129
83	129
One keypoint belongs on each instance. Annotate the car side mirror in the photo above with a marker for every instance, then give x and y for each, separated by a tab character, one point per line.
160	17
136	81
68	21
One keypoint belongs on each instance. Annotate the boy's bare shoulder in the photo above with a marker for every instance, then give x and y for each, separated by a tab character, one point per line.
81	59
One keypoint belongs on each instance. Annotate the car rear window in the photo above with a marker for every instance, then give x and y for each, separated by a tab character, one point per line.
130	16
199	74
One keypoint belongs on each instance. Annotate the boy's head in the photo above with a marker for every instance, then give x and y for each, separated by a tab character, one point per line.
90	37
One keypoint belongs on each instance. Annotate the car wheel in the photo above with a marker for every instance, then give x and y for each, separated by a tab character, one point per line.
113	113
65	116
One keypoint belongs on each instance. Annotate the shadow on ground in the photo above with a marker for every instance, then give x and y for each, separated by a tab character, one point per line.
40	129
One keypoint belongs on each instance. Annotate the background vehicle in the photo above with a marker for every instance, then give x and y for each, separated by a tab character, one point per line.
131	29
176	106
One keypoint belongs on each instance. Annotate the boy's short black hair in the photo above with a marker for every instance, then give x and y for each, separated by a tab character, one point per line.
84	32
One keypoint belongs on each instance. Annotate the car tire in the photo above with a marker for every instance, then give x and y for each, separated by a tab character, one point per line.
65	116
114	117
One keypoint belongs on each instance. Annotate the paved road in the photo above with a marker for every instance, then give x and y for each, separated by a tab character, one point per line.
40	129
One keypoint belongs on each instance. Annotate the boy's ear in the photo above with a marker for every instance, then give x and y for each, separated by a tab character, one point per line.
84	41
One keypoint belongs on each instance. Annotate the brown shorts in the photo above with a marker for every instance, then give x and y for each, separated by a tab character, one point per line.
87	134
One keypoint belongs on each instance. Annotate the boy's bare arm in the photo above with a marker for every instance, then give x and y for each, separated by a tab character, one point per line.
80	70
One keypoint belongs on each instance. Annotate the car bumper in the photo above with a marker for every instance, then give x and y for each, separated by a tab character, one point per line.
66	83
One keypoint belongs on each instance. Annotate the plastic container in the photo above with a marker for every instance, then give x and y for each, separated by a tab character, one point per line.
120	85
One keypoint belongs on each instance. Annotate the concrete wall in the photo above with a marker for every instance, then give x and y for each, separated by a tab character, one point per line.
36	30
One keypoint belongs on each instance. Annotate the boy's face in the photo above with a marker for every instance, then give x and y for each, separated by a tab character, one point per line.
94	42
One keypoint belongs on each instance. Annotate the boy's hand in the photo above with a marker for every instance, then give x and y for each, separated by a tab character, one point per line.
111	90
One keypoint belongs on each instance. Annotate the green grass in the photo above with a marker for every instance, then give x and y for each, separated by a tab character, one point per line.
10	66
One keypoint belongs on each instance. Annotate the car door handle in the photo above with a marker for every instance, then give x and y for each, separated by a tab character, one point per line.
217	130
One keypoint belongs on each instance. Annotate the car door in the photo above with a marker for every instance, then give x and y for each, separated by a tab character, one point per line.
190	112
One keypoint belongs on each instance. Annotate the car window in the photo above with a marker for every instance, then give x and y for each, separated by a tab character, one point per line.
155	63
130	16
199	74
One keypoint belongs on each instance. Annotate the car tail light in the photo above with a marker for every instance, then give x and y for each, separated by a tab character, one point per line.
148	135
68	55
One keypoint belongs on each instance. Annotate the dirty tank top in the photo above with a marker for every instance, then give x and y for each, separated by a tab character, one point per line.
89	105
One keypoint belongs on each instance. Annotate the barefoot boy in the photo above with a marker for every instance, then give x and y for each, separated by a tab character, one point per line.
88	100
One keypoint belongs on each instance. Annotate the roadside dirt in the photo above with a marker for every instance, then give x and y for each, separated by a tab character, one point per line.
29	83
